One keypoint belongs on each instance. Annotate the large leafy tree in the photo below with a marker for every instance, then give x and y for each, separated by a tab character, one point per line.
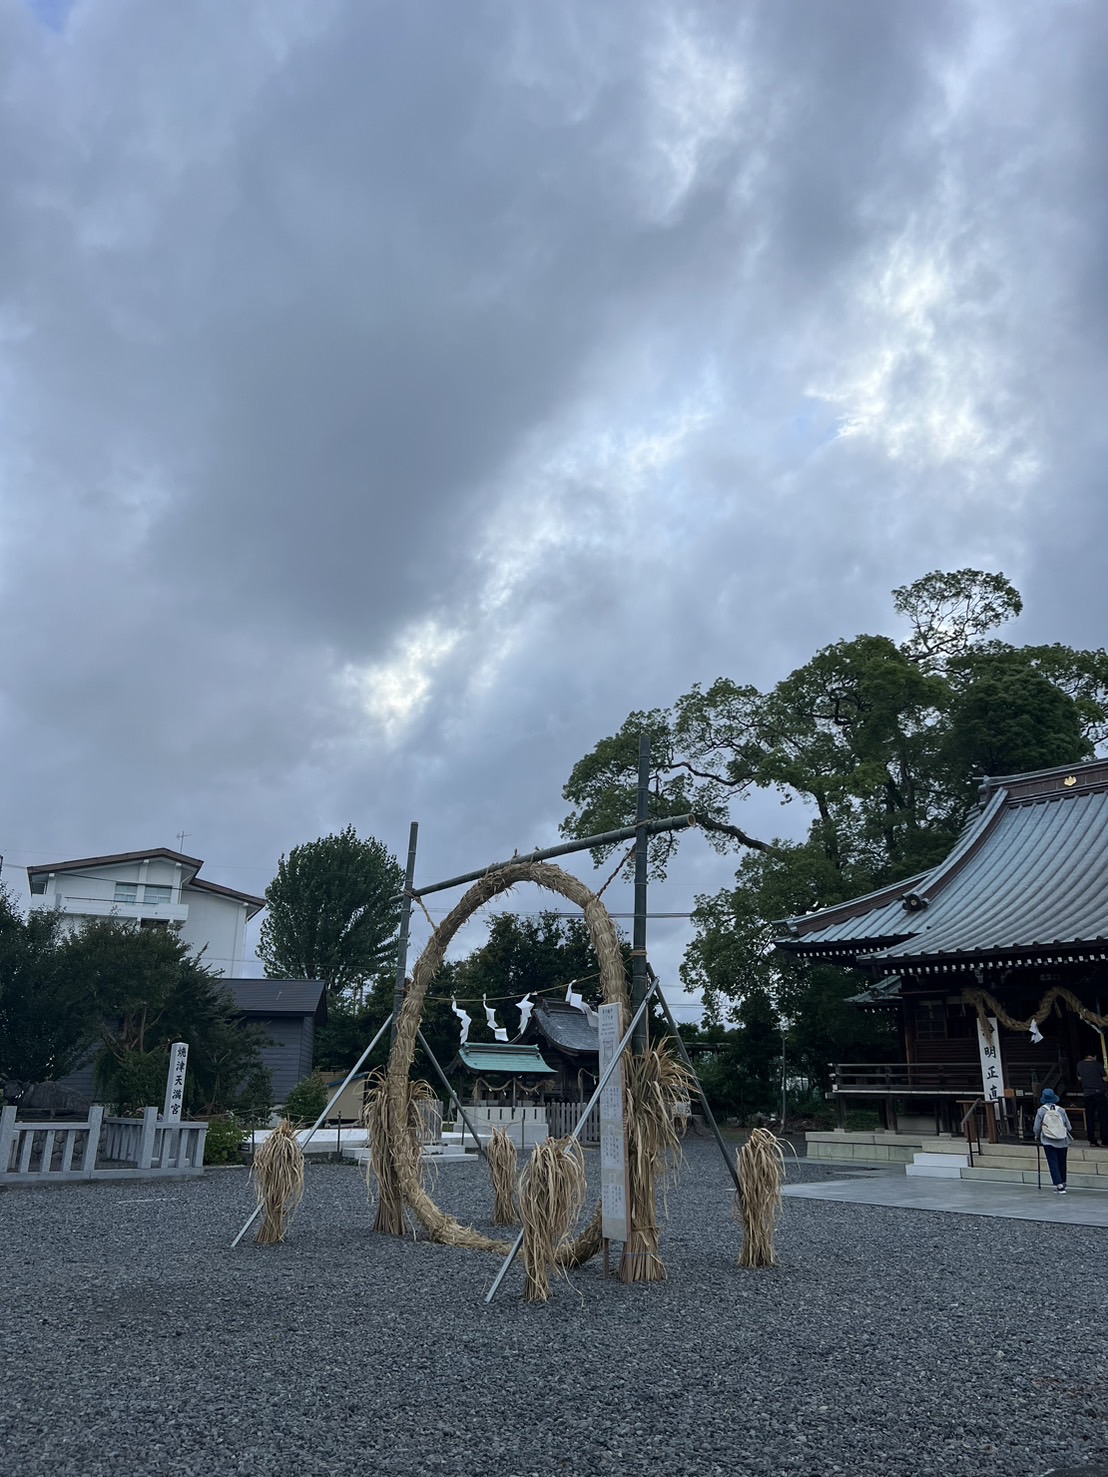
334	909
521	954
125	993
544	954
146	990
46	1024
881	742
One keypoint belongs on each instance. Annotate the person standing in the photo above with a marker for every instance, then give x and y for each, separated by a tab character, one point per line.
1052	1130
1094	1085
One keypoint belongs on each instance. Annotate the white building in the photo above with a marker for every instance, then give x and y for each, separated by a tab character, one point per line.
156	888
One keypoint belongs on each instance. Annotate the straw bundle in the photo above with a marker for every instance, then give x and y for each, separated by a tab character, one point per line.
278	1175
551	1194
503	1162
656	1083
761	1166
605	940
395	1147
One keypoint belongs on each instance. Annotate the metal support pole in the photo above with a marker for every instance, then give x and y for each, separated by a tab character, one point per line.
584	1118
347	1080
405	927
567	848
422	1039
728	1157
638	937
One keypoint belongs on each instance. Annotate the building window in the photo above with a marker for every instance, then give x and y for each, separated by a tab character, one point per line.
930	1020
156	894
126	892
156	923
38	886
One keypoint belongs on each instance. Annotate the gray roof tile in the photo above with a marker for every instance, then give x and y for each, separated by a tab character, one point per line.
1029	875
278	997
564	1026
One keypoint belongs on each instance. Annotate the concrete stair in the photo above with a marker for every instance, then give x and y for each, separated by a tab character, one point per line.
937	1166
1014	1164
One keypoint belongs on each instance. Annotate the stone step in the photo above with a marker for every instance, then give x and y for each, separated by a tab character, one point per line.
929	1165
1029	1177
1091	1161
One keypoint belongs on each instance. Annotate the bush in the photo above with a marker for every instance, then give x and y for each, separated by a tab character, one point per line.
134	1081
224	1142
307	1101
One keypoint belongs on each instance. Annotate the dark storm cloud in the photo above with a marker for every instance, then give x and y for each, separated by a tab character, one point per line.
396	395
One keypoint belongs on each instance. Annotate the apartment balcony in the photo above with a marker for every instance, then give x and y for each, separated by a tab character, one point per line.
100	907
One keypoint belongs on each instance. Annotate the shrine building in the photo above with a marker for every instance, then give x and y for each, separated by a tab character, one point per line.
994	964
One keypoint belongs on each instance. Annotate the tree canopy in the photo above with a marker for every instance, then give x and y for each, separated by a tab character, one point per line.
334	910
882	742
123	993
521	954
46	1026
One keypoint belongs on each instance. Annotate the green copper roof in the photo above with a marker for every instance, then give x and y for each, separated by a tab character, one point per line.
495	1056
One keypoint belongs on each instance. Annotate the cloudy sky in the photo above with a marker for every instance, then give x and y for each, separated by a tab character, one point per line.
395	395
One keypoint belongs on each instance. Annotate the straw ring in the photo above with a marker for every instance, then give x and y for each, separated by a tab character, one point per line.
613	983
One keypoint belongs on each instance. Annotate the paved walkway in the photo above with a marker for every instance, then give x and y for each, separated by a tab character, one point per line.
961	1197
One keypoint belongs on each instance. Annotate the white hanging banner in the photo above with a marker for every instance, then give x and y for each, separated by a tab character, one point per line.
992	1068
525	1007
614	1190
465	1020
175	1082
500	1033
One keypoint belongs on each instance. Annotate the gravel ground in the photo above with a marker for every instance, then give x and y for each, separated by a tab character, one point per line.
891	1342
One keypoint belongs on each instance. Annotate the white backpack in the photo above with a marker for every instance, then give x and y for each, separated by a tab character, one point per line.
1053	1125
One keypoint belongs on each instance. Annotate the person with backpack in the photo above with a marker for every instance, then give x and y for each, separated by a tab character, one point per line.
1052	1130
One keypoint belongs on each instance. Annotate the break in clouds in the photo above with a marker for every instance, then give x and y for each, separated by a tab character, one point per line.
394	396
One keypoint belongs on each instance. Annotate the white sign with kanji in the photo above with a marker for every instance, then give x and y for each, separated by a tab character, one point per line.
614	1195
992	1068
175	1082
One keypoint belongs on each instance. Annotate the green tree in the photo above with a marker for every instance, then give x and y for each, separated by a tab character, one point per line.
334	910
46	1026
882	744
520	955
734	964
1007	716
523	954
145	990
352	1024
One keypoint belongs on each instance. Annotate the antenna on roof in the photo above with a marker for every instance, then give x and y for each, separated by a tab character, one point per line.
181	835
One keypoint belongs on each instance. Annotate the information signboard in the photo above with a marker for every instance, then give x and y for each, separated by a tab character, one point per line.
614	1196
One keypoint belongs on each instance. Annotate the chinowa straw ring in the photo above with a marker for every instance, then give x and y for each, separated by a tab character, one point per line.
613	984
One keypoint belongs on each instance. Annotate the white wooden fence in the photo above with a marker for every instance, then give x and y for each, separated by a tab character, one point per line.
560	1118
100	1148
563	1118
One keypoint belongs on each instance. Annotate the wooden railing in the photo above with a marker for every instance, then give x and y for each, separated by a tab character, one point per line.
905	1078
936	1079
972	1127
100	1148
